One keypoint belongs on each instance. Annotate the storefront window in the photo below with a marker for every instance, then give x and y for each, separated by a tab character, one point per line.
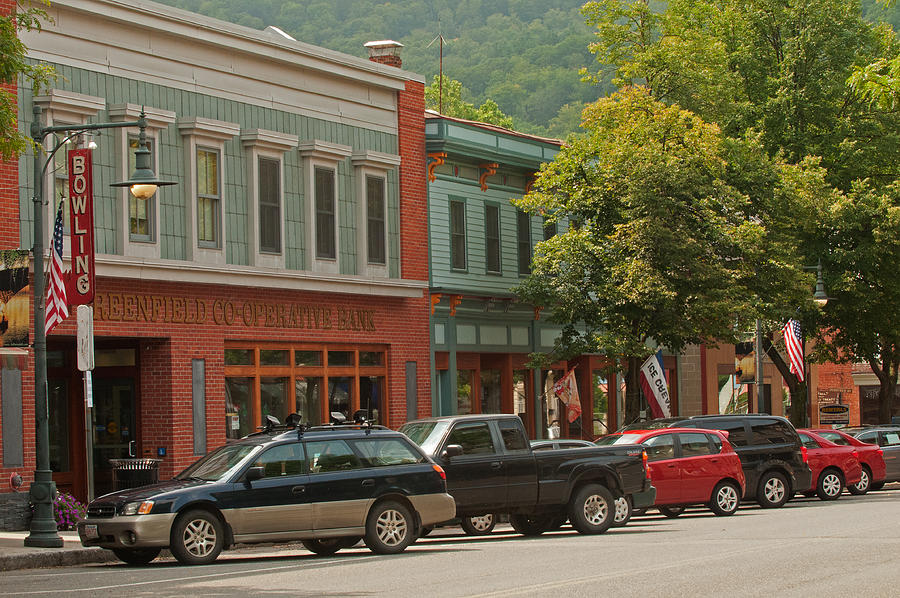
371	392
601	404
270	357
490	391
311	380
339	391
520	394
464	391
238	407
273	398
336	358
58	401
238	356
310	358
308	392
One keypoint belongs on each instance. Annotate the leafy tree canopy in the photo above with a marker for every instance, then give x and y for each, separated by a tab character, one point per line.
662	244
27	17
447	99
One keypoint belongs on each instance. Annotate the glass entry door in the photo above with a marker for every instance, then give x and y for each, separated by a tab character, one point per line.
114	428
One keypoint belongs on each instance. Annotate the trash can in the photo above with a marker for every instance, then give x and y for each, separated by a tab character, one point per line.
131	473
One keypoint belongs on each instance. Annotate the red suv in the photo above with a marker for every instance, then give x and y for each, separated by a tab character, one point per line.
689	466
833	466
871	458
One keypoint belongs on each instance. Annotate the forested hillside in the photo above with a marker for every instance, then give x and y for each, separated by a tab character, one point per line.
523	54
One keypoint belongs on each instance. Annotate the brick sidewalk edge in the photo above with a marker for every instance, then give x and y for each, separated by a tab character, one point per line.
55	558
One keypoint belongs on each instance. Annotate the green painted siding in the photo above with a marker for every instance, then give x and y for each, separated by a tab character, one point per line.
172	201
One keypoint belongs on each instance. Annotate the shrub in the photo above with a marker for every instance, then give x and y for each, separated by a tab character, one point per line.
67	511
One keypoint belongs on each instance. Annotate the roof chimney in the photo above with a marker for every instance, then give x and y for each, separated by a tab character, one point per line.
385	51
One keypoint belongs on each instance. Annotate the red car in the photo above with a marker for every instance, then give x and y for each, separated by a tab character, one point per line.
688	467
871	458
833	466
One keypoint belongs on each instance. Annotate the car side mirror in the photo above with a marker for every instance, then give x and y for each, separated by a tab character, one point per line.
254	473
451	450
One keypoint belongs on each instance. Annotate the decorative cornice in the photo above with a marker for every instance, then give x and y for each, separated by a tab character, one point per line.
323	150
156	118
207	127
68	105
270	140
370	159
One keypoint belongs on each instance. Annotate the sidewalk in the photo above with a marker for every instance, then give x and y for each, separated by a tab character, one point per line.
15	555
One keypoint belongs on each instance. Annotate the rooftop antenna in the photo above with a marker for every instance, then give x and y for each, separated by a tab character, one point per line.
440	37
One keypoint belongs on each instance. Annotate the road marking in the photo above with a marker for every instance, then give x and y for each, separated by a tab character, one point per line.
317	563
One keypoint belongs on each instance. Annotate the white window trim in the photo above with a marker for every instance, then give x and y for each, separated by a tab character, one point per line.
157	121
64	107
325	155
377	164
205	133
260	143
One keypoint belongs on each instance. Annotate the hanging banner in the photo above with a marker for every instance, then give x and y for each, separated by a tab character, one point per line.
653	383
81	226
566	390
15	307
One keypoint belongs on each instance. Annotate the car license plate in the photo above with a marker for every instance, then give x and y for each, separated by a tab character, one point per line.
90	532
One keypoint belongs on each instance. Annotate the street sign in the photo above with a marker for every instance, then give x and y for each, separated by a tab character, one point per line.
84	343
834	414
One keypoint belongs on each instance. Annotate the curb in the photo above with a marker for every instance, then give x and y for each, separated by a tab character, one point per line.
55	558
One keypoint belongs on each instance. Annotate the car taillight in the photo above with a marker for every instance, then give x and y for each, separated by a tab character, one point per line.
646	464
855	454
881	452
440	471
804	454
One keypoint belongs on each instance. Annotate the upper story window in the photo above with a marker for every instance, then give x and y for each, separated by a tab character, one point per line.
457	234
138	230
523	232
269	205
264	159
549	229
209	198
372	172
323	163
204	145
141	210
63	107
326	220
376	232
492	237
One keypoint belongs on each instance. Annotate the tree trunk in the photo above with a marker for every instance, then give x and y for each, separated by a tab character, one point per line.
886	371
633	391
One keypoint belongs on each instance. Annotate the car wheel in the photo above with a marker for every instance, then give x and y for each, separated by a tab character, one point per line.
672	511
479	525
772	491
136	556
862	486
389	528
324	546
197	538
623	511
726	498
530	525
831	484
876	486
592	509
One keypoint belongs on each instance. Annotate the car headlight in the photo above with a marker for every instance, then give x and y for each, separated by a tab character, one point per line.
137	508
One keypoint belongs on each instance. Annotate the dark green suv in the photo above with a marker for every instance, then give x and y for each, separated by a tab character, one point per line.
328	486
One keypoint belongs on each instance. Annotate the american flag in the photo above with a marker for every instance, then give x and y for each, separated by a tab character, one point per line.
792	340
57	308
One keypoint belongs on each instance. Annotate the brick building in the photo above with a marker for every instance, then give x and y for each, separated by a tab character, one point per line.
287	269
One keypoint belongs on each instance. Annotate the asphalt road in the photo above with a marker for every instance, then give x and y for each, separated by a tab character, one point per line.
808	548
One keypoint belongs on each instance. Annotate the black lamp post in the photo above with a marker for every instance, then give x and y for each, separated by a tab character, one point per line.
144	183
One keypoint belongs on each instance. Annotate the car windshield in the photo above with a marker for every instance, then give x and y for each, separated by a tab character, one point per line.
618	439
218	464
427	434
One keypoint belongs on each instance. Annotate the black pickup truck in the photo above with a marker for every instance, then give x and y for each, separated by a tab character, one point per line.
491	469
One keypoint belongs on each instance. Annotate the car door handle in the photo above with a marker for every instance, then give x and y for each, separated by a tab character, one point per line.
496	465
671	466
368	483
298	490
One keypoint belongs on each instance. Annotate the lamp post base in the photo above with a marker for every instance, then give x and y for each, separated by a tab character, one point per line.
43	533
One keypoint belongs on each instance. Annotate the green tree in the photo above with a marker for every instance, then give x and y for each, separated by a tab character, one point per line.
26	17
448	100
660	248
